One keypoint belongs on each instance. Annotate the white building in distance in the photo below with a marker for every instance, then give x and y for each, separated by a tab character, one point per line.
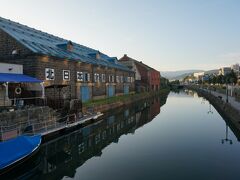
224	70
236	68
198	75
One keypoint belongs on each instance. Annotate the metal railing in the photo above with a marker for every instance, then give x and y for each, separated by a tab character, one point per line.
33	127
36	101
22	102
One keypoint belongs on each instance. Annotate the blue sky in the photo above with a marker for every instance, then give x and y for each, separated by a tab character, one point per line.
166	34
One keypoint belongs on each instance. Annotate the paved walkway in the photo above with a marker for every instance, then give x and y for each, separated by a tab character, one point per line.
231	100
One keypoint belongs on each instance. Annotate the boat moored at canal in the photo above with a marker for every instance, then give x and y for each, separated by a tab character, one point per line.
16	151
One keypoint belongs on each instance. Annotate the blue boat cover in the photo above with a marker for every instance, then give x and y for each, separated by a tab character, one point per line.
16	149
17	78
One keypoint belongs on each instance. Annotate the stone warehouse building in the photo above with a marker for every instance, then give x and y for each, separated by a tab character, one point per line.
146	78
68	70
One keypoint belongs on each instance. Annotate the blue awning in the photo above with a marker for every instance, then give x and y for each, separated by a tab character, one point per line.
17	78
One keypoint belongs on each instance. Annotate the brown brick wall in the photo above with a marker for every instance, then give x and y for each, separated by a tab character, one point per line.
99	88
29	63
119	86
8	44
34	65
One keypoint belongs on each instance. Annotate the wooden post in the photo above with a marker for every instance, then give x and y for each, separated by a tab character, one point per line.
59	98
43	90
227	94
6	93
54	95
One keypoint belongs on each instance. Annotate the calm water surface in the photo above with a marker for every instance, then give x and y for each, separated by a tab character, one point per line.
185	138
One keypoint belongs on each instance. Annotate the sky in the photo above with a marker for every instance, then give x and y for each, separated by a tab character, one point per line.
165	34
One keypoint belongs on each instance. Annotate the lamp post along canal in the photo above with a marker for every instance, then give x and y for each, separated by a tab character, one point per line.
227	94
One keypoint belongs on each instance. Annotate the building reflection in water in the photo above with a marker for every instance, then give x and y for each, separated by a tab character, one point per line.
191	93
62	156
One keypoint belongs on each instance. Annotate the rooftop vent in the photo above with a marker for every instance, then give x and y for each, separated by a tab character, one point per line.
113	60
98	56
70	46
66	46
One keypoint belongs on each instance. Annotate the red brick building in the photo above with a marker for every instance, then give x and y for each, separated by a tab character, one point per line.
146	78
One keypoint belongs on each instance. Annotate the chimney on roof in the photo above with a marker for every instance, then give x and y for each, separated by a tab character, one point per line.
98	55
67	46
70	46
125	55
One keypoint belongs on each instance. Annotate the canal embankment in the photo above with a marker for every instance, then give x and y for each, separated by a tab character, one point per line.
48	123
95	111
230	110
107	104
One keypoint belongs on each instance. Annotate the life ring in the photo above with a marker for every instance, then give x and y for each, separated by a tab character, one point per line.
18	90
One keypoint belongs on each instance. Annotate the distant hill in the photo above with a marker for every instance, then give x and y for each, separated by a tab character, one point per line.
177	75
214	71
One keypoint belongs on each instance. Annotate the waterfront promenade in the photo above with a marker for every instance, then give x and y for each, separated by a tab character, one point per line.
230	109
231	100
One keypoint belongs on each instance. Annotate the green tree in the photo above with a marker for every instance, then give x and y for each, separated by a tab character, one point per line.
231	78
214	79
176	82
220	79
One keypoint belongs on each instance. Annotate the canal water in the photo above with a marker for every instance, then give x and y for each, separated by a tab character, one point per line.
176	137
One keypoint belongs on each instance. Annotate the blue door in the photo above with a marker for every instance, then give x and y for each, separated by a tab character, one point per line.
85	93
126	89
111	91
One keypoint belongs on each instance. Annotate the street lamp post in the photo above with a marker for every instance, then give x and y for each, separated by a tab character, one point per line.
227	94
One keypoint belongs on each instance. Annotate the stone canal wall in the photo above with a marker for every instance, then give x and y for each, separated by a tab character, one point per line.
228	112
106	106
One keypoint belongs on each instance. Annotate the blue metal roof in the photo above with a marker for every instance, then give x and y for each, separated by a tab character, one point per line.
17	78
43	43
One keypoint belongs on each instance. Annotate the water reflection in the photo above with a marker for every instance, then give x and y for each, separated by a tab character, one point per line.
210	109
62	156
182	142
191	93
226	140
